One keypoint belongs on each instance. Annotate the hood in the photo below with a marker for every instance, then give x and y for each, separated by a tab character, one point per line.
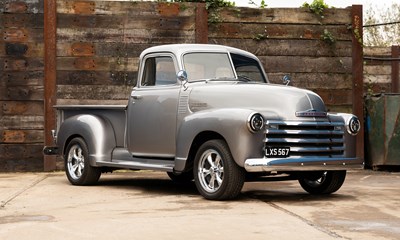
275	102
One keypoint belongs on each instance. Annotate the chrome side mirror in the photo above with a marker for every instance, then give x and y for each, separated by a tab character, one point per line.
286	79
182	76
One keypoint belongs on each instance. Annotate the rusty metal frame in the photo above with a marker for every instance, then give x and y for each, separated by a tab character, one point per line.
357	72
50	66
201	34
395	69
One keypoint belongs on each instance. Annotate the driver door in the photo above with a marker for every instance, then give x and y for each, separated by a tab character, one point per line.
152	110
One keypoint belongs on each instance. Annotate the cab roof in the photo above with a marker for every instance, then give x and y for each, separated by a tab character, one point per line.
180	49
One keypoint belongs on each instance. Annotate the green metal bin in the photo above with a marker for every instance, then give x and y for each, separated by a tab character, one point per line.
382	143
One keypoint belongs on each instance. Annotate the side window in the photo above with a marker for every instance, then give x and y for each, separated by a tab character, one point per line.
159	71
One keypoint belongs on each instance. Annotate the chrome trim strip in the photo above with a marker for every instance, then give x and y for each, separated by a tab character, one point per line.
301	164
298	123
303	140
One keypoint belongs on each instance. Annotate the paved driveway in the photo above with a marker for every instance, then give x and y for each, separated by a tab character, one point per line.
147	205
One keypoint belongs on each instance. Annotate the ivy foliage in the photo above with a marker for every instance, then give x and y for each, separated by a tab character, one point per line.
211	4
317	7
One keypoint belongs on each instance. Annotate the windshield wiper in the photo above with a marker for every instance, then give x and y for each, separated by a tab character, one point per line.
244	78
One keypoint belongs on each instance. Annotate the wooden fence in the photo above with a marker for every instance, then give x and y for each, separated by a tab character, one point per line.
92	54
381	71
21	85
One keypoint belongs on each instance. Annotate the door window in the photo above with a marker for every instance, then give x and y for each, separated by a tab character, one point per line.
159	71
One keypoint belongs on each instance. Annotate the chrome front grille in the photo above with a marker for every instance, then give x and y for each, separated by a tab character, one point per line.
306	138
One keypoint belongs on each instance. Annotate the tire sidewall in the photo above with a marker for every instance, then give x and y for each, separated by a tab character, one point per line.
332	182
85	153
224	191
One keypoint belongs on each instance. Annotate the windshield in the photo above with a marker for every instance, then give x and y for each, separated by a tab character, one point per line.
208	66
247	68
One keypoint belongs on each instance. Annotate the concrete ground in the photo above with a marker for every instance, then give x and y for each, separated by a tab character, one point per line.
147	205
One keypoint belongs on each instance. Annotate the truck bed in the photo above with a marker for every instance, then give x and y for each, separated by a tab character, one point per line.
115	114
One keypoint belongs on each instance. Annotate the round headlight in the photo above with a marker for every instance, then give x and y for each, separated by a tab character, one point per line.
353	125
255	122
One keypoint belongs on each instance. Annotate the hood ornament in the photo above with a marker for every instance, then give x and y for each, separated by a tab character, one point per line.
311	113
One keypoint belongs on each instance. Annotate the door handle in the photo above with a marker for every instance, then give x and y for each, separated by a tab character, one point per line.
137	97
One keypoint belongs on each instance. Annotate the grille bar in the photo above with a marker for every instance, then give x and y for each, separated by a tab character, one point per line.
306	138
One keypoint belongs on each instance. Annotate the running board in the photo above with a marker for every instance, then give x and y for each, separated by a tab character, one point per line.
158	165
121	158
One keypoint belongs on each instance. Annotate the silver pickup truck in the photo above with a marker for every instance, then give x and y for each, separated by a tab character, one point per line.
208	113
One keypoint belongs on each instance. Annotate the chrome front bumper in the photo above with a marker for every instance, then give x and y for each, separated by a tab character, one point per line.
301	164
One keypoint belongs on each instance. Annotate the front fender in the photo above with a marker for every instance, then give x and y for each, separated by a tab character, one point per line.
96	131
230	123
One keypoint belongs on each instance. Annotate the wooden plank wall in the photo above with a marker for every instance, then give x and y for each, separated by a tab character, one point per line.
21	85
377	73
99	42
289	41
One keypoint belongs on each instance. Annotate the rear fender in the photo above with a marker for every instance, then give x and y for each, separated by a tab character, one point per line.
96	131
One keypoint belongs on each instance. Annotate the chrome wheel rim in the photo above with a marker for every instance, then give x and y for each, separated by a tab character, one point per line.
211	171
75	162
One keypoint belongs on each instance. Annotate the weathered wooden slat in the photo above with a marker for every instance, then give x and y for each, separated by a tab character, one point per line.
337	97
21	157
97	63
298	64
119	35
21	108
378	70
377	87
377	51
377	79
16	49
315	80
22	35
21	64
28	49
22	20
340	108
126	22
284	15
100	49
128	7
19	6
21	136
21	78
21	93
22	122
100	92
280	31
288	47
96	78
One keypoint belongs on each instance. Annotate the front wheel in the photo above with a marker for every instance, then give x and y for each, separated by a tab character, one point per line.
322	182
217	176
77	166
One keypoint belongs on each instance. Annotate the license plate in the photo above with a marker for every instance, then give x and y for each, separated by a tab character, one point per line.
277	152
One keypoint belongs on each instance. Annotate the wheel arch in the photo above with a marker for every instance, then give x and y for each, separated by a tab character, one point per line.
227	124
201	138
96	131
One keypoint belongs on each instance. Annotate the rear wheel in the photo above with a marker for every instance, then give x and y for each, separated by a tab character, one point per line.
77	166
322	182
216	174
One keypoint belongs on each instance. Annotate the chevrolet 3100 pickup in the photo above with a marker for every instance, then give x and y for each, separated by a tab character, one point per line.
208	113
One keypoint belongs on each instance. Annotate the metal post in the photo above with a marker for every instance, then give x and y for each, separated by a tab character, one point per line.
50	28
395	69
357	71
